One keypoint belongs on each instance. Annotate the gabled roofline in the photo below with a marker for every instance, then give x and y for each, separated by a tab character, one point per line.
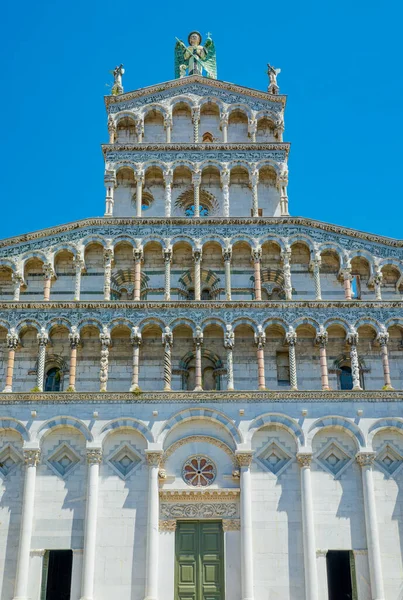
178	83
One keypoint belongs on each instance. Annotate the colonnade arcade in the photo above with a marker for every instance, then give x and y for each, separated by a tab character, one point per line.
157	446
182	268
215	355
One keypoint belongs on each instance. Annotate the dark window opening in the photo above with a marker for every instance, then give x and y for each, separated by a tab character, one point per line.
205	295
283	368
341	575
191	294
57	569
346	378
53	380
356	287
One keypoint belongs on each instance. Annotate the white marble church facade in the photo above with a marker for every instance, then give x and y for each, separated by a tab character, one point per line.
160	369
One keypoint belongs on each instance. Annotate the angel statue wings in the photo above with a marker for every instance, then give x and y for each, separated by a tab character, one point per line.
196	59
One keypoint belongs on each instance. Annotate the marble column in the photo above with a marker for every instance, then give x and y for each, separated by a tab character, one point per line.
31	460
308	528
315	266
18	281
260	340
257	258
108	259
352	340
196	180
43	340
111	130
12	345
167	342
229	341
286	258
254	181
168	180
224	127
48	273
197	253
283	182
94	459
383	339
279	128
138	255
168	128
139	177
244	460
110	185
74	339
196	123
225	179
152	557
252	129
347	277
167	255
322	339
227	255
79	266
366	460
291	340
105	339
198	342
378	278
135	339
139	126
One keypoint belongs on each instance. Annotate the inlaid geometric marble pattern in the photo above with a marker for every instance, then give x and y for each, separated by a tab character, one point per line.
333	458
124	460
9	459
64	460
274	458
389	460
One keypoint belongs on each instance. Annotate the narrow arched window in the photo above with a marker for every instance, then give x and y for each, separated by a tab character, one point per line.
53	380
205	295
346	378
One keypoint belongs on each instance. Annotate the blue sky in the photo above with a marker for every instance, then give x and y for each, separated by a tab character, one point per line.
341	69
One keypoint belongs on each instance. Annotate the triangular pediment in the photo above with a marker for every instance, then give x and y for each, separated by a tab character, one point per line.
196	86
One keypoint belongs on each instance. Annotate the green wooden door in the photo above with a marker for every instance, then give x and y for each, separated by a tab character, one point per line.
199	571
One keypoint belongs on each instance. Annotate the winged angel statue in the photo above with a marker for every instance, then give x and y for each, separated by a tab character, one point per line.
195	58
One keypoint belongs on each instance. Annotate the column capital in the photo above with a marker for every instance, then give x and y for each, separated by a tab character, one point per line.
110	178
244	457
167	120
383	337
227	253
224	119
322	337
286	254
108	256
167	337
291	337
225	176
195	114
12	339
94	456
197	253
42	337
198	337
139	176
153	457
48	270
74	337
135	336
229	337
105	337
168	177
260	337
138	253
304	459
167	253
352	337
79	263
256	253
17	278
31	457
196	177
139	125
252	126
254	177
365	459
346	273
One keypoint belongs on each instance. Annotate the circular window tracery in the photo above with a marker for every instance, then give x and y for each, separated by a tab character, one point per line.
199	471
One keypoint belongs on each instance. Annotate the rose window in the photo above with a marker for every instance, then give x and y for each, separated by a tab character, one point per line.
199	471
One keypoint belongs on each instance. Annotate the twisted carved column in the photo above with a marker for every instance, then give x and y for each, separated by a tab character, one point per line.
257	257
197	258
167	342
291	340
347	277
167	254
12	345
31	460
308	528
105	339
322	339
108	258
198	342
43	340
366	460
168	127
168	180
224	127
17	280
315	265
383	339
196	180
110	184
227	255
229	341
225	179
254	181
196	122
138	257
94	459
139	177
245	460
48	275
74	338
260	340
352	340
286	257
79	266
136	342
152	557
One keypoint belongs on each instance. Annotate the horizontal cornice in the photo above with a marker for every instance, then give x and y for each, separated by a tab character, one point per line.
180	83
211	397
203	223
285	146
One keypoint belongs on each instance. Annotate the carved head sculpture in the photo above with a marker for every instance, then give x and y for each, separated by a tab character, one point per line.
194	38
